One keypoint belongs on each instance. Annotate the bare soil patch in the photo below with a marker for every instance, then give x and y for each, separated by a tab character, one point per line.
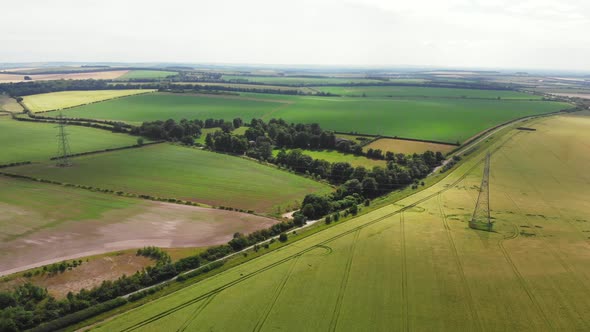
152	224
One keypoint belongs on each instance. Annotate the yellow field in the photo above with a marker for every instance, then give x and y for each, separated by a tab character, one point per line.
9	104
415	264
407	147
66	99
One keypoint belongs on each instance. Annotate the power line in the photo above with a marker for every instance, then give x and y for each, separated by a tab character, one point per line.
481	215
63	145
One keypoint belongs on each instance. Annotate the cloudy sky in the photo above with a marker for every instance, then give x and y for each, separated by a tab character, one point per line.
543	34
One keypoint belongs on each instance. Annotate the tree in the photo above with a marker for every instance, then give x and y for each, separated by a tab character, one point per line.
140	141
227	127
369	187
352	187
237	122
283	237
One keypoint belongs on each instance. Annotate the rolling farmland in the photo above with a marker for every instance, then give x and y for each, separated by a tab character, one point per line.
415	265
425	92
43	223
65	99
31	141
447	120
170	171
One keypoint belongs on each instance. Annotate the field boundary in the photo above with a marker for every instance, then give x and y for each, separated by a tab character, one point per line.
135	146
376	137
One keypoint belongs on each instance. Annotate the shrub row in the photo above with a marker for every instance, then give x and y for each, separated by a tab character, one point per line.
79	316
16	164
198	272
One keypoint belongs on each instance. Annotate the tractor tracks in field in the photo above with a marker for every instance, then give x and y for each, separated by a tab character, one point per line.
310	248
276	296
405	322
196	313
470	302
343	284
521	279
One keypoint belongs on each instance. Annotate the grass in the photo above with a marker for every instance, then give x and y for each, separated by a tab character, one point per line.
171	171
29	141
146	74
427	92
65	99
337	156
407	147
447	120
44	223
422	268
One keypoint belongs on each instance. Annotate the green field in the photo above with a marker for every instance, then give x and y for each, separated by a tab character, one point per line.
64	99
29	141
447	120
162	106
415	265
337	156
296	80
146	74
43	222
171	171
407	147
412	91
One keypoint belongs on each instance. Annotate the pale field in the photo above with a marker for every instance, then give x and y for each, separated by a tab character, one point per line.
10	105
66	99
415	264
101	75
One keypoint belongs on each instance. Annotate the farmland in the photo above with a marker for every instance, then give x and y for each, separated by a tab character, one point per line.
143	74
424	92
43	223
336	157
286	80
10	105
447	120
65	99
415	265
99	75
189	174
161	106
29	141
407	147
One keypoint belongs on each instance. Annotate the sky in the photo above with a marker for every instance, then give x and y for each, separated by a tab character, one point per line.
535	34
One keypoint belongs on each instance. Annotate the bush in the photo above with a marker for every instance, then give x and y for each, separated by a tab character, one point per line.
283	237
328	220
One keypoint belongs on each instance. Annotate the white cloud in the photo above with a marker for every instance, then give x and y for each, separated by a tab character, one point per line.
499	33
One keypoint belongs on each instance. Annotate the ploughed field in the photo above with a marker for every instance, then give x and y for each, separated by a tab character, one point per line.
415	264
43	223
171	171
30	141
440	119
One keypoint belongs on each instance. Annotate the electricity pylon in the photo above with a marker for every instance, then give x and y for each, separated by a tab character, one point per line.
63	146
481	215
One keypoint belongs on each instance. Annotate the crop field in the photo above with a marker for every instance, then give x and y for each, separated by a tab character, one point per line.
170	171
446	120
10	105
100	75
407	147
29	141
334	156
162	106
141	74
43	223
415	264
425	92
296	80
64	99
